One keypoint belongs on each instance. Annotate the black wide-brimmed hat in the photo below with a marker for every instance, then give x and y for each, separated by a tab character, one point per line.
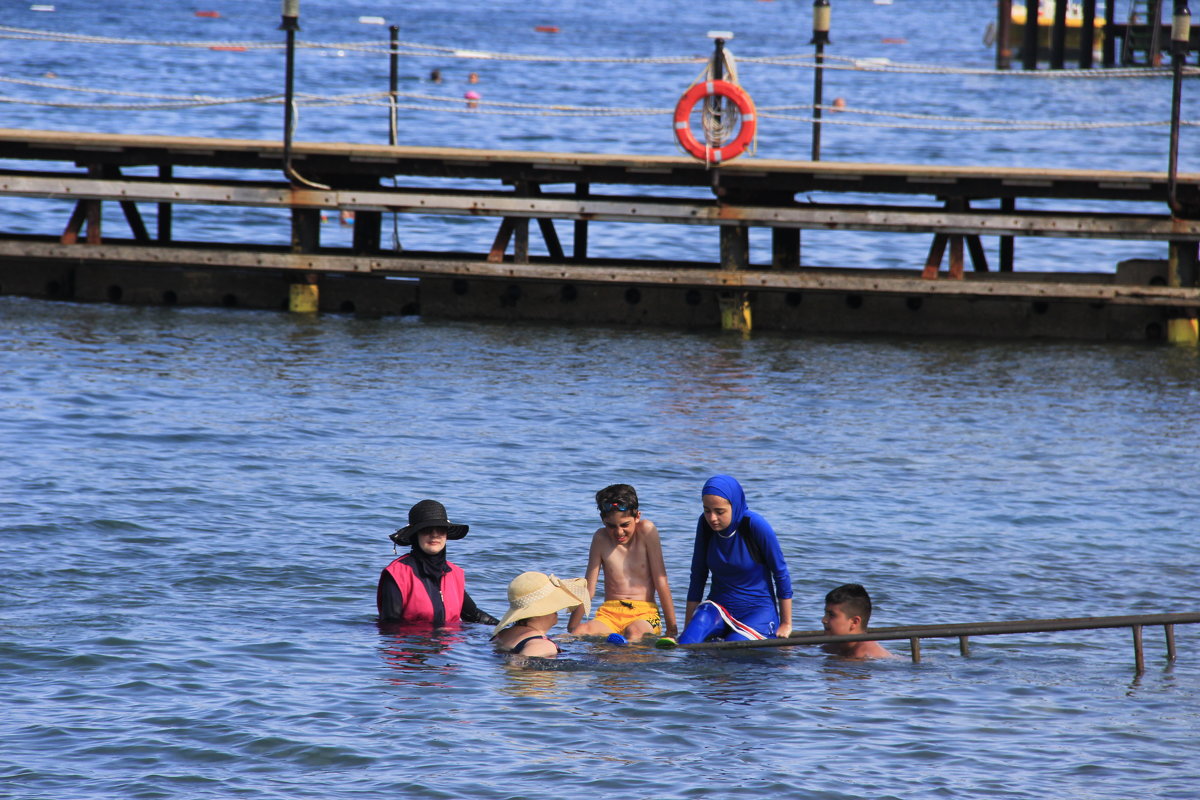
428	514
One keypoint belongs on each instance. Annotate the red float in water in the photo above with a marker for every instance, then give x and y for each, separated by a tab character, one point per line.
227	48
209	14
893	40
546	28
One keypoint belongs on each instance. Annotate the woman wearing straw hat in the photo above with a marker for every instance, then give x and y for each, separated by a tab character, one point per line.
421	585
535	599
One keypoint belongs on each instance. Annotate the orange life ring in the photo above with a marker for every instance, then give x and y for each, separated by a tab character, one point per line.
683	116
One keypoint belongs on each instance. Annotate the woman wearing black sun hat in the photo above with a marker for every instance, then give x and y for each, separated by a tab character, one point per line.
421	585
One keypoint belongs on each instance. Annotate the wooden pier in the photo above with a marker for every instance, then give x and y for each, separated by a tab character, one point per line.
125	260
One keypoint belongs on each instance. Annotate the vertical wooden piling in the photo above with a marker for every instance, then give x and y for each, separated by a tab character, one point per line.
1154	49
735	255
1139	657
306	230
1087	34
1183	270
963	648
1058	35
1109	56
1169	630
165	173
1003	34
580	247
785	248
914	645
1029	44
1006	242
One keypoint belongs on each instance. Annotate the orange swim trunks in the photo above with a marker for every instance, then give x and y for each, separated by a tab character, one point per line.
619	614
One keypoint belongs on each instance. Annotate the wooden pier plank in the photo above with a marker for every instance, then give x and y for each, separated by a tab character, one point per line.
1084	288
894	218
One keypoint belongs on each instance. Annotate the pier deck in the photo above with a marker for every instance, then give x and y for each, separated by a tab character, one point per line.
955	205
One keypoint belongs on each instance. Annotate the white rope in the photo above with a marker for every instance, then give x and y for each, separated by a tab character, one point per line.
851	64
121	93
147	106
1014	127
9	32
423	50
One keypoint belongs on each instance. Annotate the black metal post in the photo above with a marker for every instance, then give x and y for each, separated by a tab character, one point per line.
290	24
393	84
821	18
1181	31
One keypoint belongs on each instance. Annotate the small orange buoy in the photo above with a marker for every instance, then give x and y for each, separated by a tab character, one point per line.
546	28
227	48
893	40
208	14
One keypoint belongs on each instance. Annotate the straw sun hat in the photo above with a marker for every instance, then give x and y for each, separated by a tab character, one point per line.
532	594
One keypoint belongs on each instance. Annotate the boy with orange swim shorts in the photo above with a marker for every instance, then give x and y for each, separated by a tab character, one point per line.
629	552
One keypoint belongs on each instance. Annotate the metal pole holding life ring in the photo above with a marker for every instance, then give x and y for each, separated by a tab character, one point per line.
705	150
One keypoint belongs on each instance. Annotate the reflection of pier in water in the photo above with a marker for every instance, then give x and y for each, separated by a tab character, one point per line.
1138	300
913	634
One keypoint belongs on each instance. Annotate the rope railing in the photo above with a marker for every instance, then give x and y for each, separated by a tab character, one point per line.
424	50
446	104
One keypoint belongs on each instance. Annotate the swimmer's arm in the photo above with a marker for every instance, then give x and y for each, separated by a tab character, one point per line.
785	618
658	574
593	578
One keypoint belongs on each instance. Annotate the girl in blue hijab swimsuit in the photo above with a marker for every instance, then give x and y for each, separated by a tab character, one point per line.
751	596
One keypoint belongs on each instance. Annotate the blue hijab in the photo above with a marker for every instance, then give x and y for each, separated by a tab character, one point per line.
731	490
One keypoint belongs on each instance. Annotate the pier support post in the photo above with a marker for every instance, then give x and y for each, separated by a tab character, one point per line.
1109	57
165	173
1029	42
1003	33
306	230
735	255
1058	35
1087	34
1183	270
1006	242
304	298
580	245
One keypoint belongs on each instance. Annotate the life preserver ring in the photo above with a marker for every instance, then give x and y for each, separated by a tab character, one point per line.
683	115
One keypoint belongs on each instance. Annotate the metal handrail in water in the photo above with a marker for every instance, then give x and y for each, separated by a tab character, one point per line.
915	633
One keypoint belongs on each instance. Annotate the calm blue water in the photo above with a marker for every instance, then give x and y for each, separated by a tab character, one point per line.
194	504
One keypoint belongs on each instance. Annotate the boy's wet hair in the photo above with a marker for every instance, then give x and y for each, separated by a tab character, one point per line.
618	497
853	599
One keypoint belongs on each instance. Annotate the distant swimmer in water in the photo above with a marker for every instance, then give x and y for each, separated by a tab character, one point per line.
535	599
847	611
422	586
751	595
629	552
